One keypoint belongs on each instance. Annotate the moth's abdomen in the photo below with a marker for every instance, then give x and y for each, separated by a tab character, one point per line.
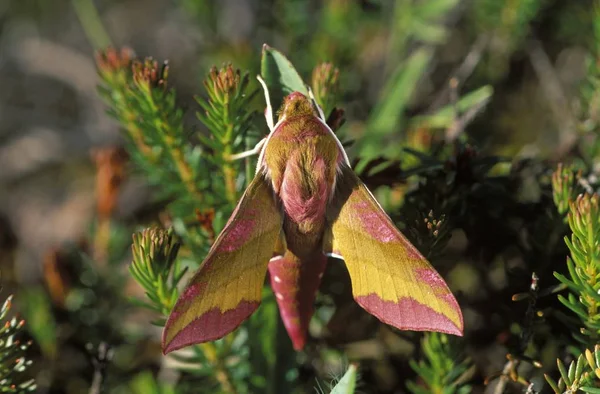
295	282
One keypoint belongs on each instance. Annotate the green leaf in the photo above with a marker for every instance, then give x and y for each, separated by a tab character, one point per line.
573	305
552	384
444	117
387	116
592	390
145	383
427	32
280	75
581	363
443	367
41	322
347	384
571	371
431	9
563	279
563	373
589	291
573	271
398	92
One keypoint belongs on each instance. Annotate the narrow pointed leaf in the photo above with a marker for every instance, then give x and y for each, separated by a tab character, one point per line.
347	384
280	75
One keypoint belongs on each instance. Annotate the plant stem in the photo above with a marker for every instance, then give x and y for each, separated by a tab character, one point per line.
101	241
228	169
183	168
137	135
91	23
222	374
510	367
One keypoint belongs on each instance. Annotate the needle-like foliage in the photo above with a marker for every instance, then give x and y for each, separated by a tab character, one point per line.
13	359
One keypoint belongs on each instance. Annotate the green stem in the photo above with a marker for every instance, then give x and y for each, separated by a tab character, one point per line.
229	170
91	23
184	170
230	188
222	373
137	136
165	131
592	272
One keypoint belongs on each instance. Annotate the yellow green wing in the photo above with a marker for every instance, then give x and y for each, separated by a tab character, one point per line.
227	287
390	278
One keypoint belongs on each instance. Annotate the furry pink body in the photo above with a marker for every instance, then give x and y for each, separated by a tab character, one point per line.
300	205
302	171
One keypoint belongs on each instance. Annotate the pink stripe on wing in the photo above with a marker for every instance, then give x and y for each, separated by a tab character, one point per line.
408	314
377	224
211	325
239	232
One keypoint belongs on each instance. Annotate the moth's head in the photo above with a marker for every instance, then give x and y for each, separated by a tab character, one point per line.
296	104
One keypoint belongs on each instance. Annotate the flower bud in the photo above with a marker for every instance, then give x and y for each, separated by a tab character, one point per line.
325	85
154	250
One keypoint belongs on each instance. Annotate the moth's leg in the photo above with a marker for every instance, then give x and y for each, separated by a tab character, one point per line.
312	97
253	151
269	109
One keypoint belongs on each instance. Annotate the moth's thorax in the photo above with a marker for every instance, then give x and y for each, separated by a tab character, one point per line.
301	158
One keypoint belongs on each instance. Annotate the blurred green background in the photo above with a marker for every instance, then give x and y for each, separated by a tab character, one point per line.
531	53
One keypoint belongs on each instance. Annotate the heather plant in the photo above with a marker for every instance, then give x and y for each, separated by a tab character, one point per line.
13	359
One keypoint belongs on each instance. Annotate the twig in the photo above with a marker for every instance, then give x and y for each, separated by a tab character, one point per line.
91	23
458	124
531	389
509	372
221	372
100	362
554	94
462	72
509	368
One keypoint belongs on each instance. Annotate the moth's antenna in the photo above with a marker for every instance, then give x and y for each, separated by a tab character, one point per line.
269	110
312	97
256	150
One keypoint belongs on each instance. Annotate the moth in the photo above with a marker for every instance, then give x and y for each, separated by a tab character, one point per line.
305	204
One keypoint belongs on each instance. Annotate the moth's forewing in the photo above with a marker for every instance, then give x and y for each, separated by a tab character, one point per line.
390	278
227	287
